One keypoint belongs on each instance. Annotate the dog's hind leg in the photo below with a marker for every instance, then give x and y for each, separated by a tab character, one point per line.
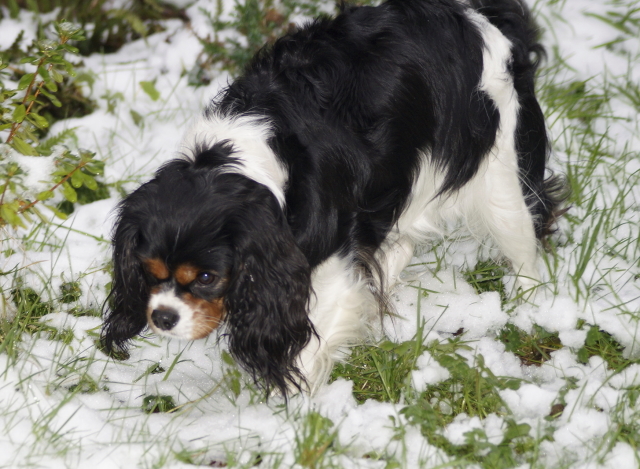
507	220
497	197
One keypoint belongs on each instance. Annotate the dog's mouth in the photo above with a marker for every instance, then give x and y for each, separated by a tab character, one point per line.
184	316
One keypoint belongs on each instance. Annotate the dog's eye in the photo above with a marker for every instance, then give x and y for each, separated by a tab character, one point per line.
205	278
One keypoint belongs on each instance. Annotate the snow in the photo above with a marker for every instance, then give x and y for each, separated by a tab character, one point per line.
46	425
428	372
36	169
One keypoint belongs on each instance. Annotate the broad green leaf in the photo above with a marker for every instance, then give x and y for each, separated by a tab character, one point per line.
137	117
76	179
25	80
10	215
38	121
69	193
44	195
19	113
57	76
149	87
68	48
23	147
51	97
90	182
44	73
51	86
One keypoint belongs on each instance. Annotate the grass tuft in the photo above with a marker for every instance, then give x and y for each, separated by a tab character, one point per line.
158	404
314	440
533	348
487	277
381	372
602	344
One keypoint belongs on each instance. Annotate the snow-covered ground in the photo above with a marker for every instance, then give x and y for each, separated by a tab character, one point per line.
44	424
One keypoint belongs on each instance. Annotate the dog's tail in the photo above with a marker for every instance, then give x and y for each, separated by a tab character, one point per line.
545	196
513	19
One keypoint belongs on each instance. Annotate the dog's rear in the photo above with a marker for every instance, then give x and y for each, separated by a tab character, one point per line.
544	195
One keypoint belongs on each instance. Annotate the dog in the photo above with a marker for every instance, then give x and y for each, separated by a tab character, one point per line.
302	190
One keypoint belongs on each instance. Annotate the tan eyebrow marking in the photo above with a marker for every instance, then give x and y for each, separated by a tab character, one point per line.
157	268
185	274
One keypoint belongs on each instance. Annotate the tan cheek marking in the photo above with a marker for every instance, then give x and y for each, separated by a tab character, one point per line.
157	268
185	274
207	315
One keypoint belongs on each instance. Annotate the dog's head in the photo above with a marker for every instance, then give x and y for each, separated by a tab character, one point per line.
201	245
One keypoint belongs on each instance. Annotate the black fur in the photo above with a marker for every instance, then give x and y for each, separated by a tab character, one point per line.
362	94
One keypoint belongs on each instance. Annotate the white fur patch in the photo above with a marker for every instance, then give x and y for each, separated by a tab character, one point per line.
249	136
184	328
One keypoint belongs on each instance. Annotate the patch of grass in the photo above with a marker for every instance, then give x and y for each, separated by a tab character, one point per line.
153	369
381	372
29	309
70	292
487	277
531	348
314	440
232	377
29	303
86	385
625	426
63	335
158	403
513	450
471	389
576	100
602	344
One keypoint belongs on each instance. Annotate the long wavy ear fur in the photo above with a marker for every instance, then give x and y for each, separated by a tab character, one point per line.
267	302
125	316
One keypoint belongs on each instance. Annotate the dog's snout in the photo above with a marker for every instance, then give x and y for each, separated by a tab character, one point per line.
165	318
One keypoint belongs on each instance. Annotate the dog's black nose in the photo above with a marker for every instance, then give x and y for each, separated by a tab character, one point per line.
165	318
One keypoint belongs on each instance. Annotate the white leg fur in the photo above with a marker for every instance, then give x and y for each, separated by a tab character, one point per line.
342	310
394	255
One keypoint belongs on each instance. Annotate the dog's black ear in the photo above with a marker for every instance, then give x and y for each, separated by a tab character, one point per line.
126	305
268	298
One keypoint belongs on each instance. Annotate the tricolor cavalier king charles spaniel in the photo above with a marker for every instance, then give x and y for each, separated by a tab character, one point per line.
304	186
